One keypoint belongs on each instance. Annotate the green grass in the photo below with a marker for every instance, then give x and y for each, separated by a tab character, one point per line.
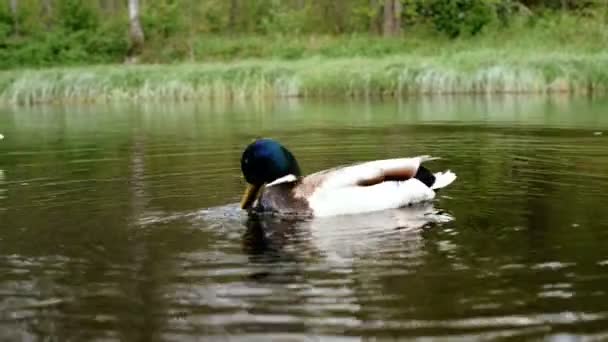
560	55
480	72
538	33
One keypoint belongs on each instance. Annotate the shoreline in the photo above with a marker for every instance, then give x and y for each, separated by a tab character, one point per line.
483	72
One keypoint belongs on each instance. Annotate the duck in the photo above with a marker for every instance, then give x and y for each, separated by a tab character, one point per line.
275	183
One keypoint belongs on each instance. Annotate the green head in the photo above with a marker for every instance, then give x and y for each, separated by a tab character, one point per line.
262	162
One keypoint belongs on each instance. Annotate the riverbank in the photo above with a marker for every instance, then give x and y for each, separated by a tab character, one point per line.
556	55
484	71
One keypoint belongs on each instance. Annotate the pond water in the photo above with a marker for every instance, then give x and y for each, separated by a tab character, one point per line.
121	222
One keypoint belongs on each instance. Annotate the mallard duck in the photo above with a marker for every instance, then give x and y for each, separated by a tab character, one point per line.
358	188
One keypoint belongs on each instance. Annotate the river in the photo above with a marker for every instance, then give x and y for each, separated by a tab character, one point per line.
121	222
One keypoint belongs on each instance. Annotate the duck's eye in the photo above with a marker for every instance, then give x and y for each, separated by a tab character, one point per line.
245	161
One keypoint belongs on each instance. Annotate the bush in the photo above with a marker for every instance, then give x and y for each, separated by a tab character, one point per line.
162	19
76	15
105	44
457	17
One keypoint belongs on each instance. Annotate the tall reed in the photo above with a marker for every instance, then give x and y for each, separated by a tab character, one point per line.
483	71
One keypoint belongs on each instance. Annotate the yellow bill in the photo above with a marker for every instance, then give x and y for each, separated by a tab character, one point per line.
251	193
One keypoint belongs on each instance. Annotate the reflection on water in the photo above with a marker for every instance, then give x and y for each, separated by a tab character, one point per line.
338	240
121	223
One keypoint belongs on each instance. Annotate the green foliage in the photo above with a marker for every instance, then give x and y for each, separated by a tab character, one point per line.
77	15
78	37
75	32
6	24
163	19
461	16
286	22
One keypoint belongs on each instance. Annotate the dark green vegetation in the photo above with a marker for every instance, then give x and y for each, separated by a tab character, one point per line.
78	32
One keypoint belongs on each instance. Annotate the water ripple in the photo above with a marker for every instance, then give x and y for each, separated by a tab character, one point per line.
134	232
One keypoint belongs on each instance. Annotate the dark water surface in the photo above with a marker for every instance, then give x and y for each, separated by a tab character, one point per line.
120	223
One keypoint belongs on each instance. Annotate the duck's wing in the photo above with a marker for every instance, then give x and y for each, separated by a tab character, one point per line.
365	174
370	186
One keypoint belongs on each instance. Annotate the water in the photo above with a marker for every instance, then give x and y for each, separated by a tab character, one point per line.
121	223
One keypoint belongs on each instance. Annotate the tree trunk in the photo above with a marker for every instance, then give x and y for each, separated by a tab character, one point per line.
114	7
387	25
339	14
47	12
47	7
15	14
194	14
397	17
375	22
136	33
233	15
392	18
105	5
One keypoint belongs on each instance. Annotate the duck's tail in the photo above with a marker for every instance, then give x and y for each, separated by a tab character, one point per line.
443	179
436	180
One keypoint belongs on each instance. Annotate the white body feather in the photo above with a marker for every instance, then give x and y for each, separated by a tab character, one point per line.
361	199
341	194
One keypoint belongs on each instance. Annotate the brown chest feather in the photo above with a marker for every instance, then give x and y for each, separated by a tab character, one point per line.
283	199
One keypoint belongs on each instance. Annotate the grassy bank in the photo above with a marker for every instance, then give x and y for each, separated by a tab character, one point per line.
561	33
483	71
564	54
